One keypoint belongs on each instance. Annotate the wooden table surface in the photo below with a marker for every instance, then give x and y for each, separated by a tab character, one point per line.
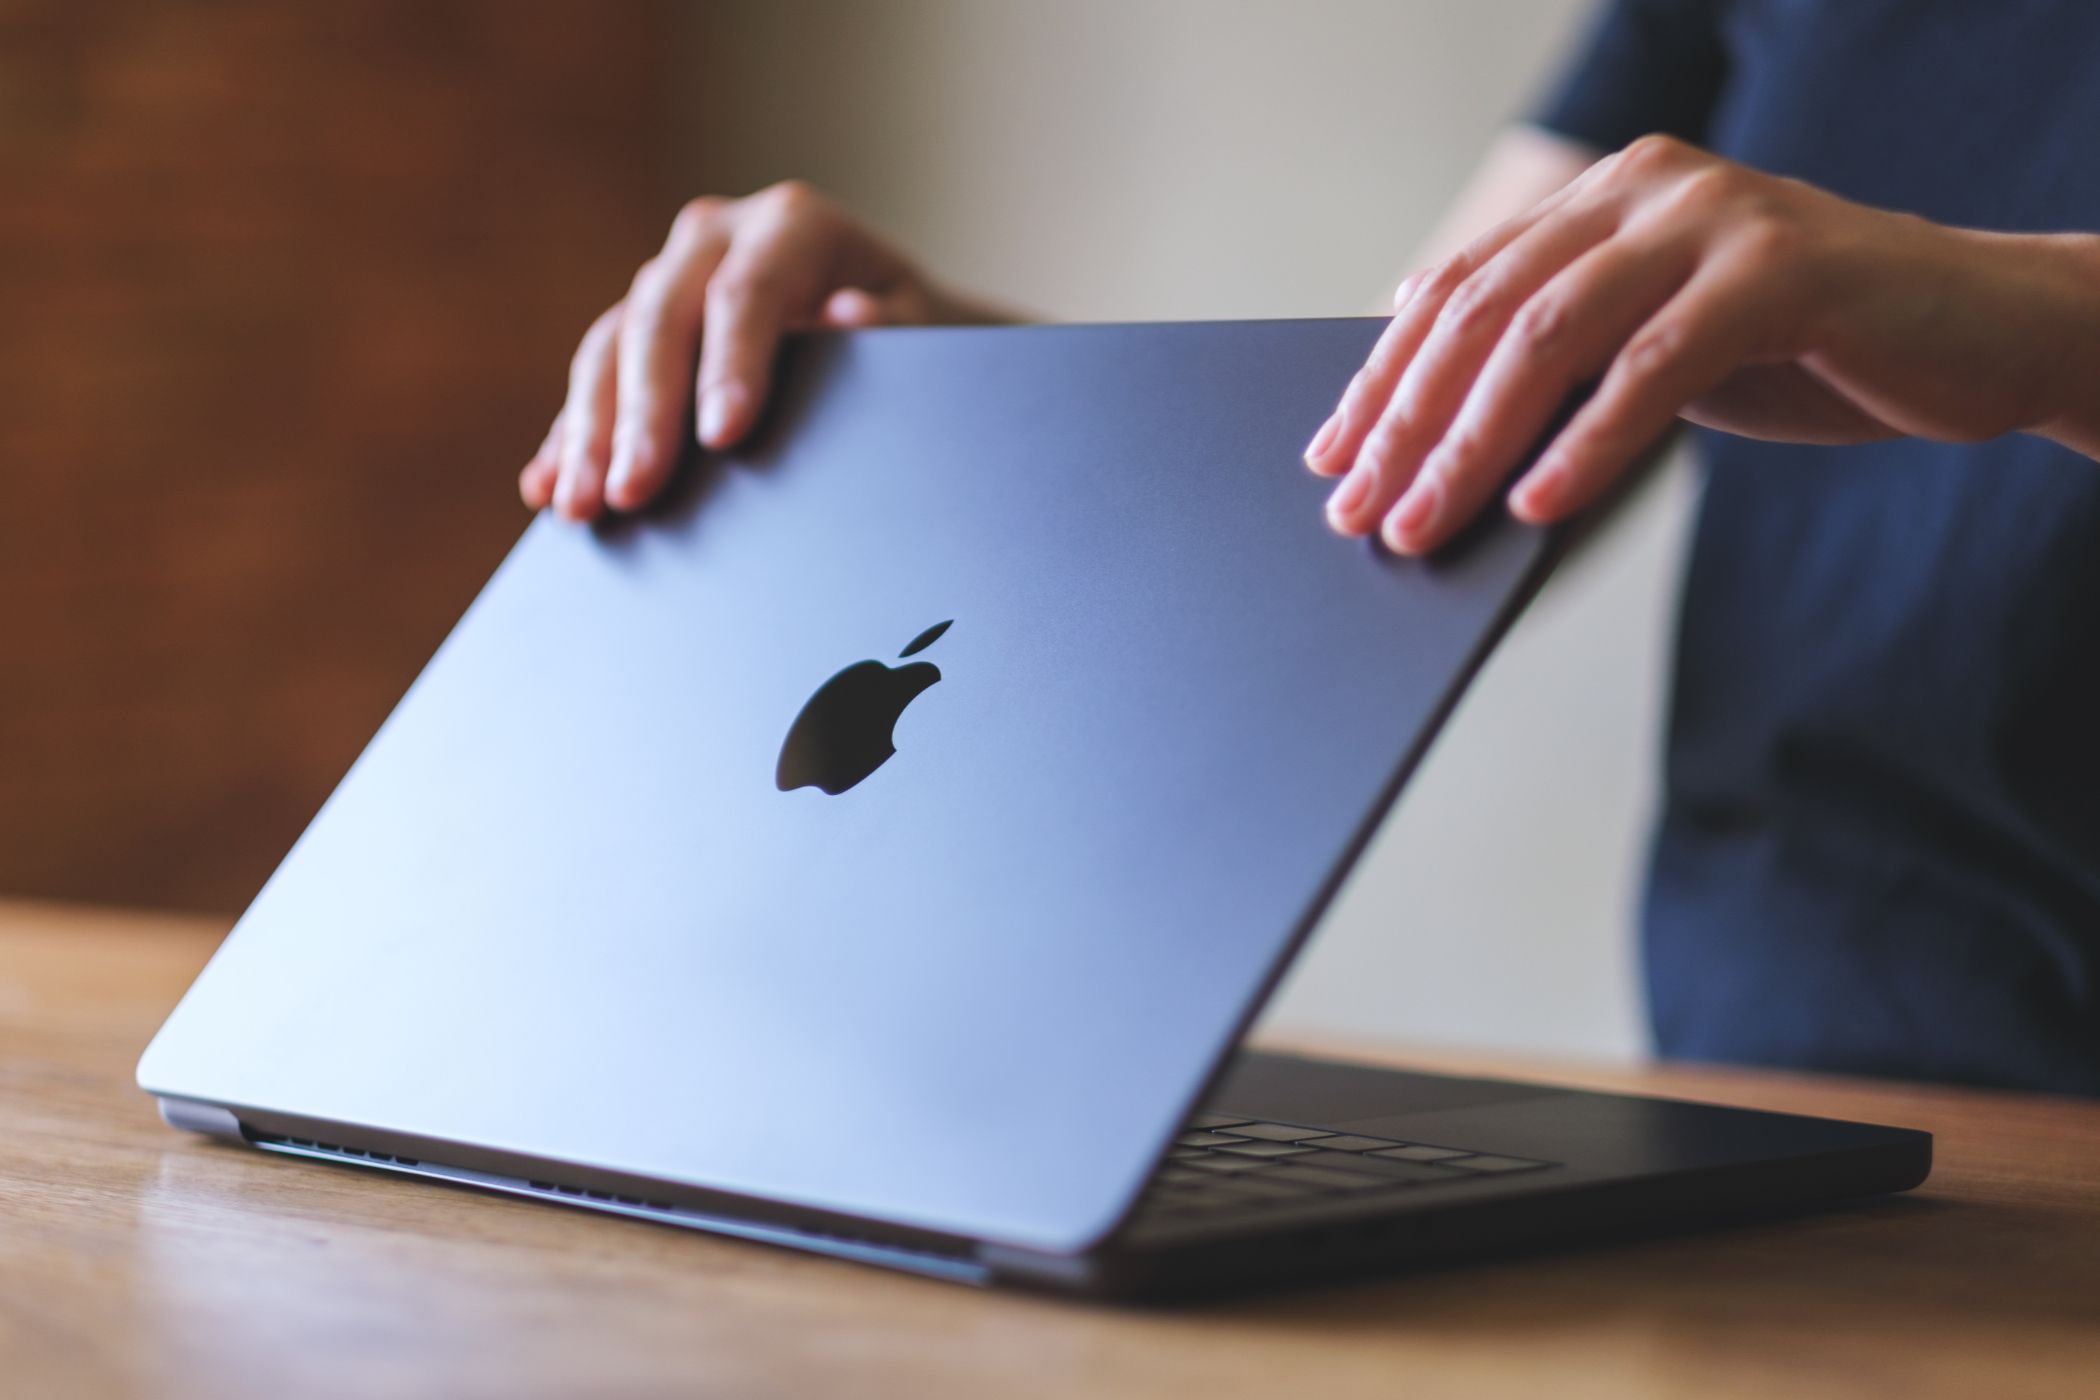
137	1261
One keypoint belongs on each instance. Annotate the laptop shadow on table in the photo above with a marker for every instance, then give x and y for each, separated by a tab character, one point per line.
1915	1264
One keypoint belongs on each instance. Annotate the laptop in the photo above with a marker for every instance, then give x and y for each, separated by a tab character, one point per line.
882	848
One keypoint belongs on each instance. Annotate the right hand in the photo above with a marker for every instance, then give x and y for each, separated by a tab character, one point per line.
698	330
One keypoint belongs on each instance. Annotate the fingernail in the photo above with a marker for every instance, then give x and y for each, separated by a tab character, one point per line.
1417	512
624	448
1324	439
1348	496
717	406
1533	496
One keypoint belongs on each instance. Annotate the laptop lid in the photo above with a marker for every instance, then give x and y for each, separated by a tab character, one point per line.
1144	708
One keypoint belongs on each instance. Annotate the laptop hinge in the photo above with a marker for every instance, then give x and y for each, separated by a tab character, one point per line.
960	1267
194	1117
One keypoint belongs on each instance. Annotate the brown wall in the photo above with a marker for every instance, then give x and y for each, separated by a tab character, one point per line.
286	294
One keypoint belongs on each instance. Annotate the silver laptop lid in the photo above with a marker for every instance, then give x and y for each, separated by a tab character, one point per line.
563	907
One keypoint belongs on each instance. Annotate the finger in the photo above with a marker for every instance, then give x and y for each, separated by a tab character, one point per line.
849	308
536	481
1334	447
1785	400
1725	317
907	304
587	421
1469	323
772	274
1567	332
659	345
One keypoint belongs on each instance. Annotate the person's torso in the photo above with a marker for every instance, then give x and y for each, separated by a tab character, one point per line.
1880	848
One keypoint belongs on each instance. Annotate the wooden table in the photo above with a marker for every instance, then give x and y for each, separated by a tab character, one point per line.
136	1261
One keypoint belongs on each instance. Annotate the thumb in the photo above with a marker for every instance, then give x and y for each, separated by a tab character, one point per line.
852	307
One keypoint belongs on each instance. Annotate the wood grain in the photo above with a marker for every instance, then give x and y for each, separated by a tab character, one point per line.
287	295
135	1261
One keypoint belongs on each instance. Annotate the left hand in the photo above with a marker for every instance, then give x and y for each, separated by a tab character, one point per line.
1700	289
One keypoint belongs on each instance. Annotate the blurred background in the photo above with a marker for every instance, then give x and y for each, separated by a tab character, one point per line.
289	294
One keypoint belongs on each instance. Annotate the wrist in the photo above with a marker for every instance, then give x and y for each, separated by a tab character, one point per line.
2075	417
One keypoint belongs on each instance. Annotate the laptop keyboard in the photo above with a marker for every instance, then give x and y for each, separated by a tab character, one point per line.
1220	1163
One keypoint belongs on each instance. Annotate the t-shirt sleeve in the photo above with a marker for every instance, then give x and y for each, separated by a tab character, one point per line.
1648	66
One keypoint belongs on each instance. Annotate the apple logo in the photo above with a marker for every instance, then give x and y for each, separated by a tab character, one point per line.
844	733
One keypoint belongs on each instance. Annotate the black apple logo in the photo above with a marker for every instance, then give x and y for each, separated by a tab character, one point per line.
844	732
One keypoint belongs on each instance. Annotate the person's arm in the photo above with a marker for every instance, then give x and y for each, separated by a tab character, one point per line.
693	340
1693	289
1645	66
1525	165
1701	289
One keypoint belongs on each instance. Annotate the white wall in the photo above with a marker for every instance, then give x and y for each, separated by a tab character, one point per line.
1135	159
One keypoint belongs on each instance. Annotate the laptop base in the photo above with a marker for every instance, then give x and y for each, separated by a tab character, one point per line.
1606	1167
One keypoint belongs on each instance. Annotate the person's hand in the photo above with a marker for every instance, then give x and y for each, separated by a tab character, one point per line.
693	340
1700	289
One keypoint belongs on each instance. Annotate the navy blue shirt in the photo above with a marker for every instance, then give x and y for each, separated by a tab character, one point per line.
1879	849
